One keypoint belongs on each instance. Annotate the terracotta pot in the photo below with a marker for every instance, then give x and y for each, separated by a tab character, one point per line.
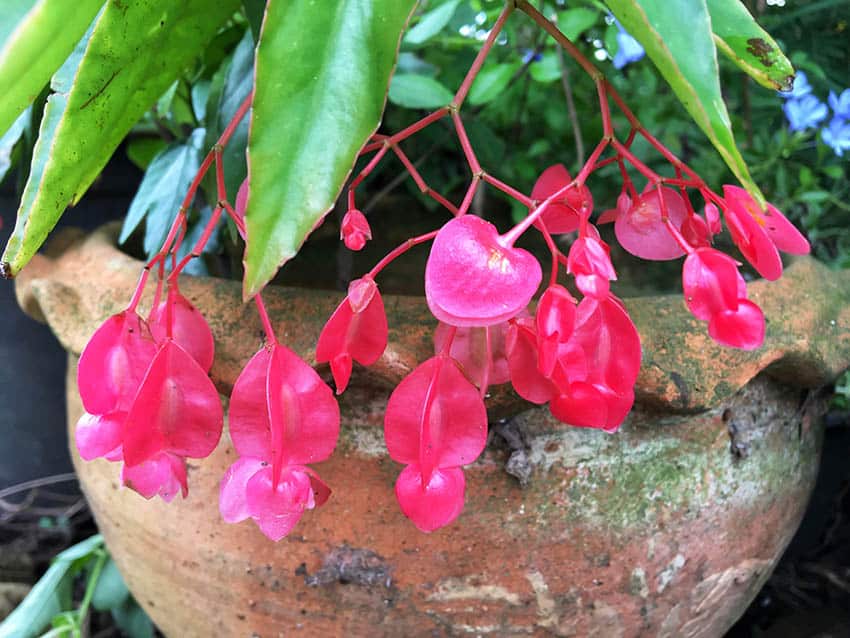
667	528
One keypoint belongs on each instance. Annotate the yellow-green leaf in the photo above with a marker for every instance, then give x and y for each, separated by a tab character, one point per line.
134	53
35	38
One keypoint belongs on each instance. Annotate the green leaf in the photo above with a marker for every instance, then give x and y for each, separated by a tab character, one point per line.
237	84
548	69
677	37
111	590
574	22
49	595
36	38
135	52
749	46
414	91
9	140
132	619
143	150
306	130
431	23
162	190
490	83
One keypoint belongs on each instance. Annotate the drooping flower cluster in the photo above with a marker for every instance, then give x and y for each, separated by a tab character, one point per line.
150	403
147	396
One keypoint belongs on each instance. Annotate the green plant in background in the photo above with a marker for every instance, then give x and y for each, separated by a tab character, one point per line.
50	610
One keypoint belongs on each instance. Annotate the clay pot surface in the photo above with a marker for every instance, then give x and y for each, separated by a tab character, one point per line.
667	528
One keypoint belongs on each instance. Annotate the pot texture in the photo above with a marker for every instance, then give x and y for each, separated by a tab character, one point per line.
667	528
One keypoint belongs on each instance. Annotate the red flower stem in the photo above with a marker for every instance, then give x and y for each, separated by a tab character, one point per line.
508	190
603	163
199	176
474	166
417	126
447	344
604	109
594	156
470	194
671	228
160	280
560	38
510	237
641	168
365	173
420	183
140	287
237	221
264	318
400	250
199	245
460	96
553	249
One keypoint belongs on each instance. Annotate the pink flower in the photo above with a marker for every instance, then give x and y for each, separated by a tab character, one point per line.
282	417
357	331
758	234
435	422
563	214
355	230
473	278
480	352
715	292
590	263
641	230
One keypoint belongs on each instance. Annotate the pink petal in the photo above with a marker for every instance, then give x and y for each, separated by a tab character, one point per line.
610	342
292	494
163	474
99	434
742	328
754	244
467	256
479	351
232	497
435	417
712	218
113	363
592	406
564	214
357	330
782	233
248	415
526	378
432	505
641	230
556	314
189	329
591	264
695	231
355	230
710	283
177	410
277	527
304	415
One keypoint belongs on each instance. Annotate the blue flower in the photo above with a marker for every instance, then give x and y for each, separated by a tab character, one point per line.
805	112
628	49
837	135
801	87
530	55
840	104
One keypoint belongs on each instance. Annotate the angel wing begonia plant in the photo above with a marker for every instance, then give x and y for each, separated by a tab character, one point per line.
297	107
